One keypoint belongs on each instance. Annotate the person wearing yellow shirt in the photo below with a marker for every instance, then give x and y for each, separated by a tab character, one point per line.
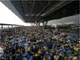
46	49
56	57
75	58
40	40
66	45
76	48
37	41
39	51
29	48
24	59
65	57
4	47
36	54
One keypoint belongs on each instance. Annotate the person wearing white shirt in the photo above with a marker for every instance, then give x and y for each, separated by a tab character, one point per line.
1	52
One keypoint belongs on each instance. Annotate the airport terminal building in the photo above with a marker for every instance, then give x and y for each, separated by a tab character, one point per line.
39	30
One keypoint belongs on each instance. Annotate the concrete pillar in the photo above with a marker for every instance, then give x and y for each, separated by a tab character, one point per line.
2	27
39	24
15	32
12	26
8	26
36	23
1	32
46	23
43	24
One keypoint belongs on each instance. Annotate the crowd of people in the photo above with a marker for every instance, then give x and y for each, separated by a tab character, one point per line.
39	44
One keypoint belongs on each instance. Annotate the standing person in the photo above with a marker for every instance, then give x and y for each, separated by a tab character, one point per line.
1	52
26	46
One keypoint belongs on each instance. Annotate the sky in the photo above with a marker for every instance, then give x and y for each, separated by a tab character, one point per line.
8	17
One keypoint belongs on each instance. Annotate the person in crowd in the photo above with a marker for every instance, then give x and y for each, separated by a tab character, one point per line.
38	44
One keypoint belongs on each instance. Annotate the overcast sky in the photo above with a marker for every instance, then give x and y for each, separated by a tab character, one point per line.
8	17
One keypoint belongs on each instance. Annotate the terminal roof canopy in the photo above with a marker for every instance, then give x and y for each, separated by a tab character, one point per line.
39	10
